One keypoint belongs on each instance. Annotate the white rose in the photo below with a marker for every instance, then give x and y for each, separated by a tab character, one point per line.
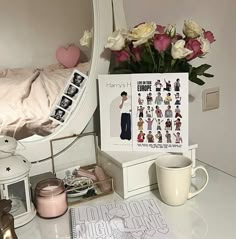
116	41
171	30
86	38
178	51
142	33
191	29
205	45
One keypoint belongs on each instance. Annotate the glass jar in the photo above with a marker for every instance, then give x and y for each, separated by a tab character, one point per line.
50	198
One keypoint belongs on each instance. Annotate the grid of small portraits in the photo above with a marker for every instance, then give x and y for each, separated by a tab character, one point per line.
159	112
69	98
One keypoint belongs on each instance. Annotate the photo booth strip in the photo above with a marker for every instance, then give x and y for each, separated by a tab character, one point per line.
69	97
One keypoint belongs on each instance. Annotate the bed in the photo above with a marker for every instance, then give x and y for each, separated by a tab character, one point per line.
25	111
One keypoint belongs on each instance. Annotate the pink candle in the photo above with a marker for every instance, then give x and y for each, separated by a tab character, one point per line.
51	198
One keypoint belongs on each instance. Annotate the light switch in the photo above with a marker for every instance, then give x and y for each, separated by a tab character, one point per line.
210	99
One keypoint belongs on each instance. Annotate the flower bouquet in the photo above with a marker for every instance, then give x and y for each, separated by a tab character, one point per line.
152	48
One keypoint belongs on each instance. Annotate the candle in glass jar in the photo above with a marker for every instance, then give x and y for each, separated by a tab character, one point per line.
51	198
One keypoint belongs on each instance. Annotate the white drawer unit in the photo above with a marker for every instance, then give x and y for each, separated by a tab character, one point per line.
134	172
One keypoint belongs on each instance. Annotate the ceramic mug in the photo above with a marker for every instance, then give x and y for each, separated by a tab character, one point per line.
174	175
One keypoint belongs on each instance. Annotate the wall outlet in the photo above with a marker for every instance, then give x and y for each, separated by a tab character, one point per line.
211	99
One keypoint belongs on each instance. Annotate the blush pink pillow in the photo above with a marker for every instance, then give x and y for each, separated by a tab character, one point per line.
68	57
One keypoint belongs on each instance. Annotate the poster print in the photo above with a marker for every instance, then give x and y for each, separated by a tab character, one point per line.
115	112
140	219
160	112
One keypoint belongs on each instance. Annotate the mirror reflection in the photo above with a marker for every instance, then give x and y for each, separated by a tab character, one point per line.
40	48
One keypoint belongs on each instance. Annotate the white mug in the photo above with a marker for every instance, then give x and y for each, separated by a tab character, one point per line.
174	175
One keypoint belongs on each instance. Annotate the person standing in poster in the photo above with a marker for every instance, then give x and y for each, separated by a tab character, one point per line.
158	123
140	124
158	85
178	138
159	136
141	137
168	112
149	111
177	99
168	137
140	100
158	112
125	109
149	98
177	85
177	112
167	99
177	124
150	137
140	110
159	99
168	124
168	85
149	123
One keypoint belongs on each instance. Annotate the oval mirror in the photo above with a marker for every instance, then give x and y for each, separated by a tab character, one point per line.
31	33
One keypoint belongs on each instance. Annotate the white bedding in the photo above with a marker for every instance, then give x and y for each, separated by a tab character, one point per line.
26	98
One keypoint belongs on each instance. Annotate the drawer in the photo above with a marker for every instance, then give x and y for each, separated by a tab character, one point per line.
141	175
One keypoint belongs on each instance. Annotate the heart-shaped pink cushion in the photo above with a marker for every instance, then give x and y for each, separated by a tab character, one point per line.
68	57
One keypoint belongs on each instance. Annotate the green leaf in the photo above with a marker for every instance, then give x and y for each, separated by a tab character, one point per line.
197	81
202	68
208	75
183	66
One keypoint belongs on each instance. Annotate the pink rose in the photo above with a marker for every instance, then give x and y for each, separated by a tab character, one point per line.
161	42
195	46
160	29
209	36
121	55
136	51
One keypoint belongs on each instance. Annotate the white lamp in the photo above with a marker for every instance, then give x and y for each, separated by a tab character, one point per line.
14	181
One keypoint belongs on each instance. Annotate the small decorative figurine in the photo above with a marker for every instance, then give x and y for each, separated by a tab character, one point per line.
6	220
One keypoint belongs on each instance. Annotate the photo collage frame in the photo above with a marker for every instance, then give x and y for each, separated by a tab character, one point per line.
69	97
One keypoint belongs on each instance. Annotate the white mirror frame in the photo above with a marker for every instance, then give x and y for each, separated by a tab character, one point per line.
39	150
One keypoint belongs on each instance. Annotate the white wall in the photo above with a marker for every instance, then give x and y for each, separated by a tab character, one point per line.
32	30
214	131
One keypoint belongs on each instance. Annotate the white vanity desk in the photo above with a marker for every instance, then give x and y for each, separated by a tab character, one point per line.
211	214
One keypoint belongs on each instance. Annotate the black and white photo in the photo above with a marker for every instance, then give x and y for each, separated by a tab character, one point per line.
65	103
59	115
72	91
77	79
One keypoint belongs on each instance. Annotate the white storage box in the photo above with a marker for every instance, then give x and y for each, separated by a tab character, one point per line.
134	172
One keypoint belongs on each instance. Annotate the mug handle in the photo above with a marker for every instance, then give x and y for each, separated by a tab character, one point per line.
190	195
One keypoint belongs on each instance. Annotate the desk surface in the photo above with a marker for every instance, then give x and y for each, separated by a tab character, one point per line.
211	214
